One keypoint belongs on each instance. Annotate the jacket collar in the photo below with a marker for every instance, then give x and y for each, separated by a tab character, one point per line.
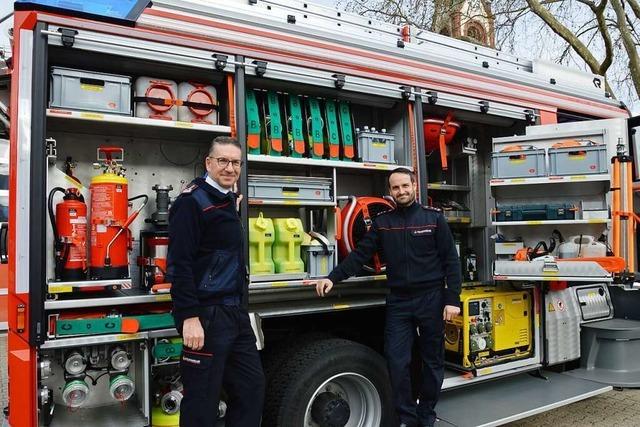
413	206
211	190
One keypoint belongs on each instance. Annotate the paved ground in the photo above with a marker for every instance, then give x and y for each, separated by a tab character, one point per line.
619	408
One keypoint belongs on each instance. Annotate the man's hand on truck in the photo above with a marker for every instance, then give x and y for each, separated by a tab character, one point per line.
323	287
450	312
192	333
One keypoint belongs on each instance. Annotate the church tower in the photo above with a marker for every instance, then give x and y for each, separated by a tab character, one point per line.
468	20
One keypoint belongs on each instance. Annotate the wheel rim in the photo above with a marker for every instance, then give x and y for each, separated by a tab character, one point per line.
362	397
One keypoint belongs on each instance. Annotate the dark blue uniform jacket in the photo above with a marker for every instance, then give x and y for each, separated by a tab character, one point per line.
418	249
205	263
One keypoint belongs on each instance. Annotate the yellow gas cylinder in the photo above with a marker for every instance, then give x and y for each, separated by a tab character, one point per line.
286	249
161	419
261	238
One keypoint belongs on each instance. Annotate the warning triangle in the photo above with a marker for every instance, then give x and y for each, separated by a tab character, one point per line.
551	307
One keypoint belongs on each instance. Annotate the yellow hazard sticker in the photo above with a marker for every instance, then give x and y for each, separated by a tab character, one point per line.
92	116
578	177
551	308
183	125
60	289
126	337
279	284
340	306
163	298
92	88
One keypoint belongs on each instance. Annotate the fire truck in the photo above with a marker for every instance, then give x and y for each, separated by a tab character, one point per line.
112	111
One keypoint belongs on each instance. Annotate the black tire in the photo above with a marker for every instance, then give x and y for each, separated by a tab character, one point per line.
293	383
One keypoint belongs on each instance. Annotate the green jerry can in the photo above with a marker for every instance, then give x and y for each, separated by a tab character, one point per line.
261	238
286	249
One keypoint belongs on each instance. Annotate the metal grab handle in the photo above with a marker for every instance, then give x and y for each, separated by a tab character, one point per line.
4	247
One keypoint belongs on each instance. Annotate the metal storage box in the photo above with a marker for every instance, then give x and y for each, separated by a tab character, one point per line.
90	91
303	189
588	159
518	164
376	147
535	212
318	261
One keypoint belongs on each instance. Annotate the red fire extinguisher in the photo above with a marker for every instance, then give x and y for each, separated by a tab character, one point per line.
110	235
70	234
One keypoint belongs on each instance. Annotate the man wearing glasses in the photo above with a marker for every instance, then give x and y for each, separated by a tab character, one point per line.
207	269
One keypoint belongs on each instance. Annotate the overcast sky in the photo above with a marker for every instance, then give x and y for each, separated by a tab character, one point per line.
6	7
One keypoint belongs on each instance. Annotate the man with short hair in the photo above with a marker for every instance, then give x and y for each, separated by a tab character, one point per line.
424	279
207	269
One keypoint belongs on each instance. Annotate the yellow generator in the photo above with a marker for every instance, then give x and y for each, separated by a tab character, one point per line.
494	326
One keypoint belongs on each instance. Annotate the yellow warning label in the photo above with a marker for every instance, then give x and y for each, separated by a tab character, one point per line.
183	125
59	289
92	88
551	307
92	116
340	306
163	298
279	284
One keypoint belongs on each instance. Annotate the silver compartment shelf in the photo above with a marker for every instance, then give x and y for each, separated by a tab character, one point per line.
551	222
448	187
67	287
544	180
261	202
111	124
261	158
538	270
101	416
107	338
307	283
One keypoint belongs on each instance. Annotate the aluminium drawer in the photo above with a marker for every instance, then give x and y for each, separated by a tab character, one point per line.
300	188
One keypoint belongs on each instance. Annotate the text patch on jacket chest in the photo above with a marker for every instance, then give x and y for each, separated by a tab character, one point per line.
427	231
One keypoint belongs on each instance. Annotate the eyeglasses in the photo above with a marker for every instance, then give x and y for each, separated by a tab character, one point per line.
223	162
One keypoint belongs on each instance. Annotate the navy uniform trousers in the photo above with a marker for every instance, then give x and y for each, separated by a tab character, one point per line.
228	359
405	314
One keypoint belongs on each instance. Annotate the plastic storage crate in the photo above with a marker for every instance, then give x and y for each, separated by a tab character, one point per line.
550	212
526	163
90	91
303	189
588	159
318	261
376	147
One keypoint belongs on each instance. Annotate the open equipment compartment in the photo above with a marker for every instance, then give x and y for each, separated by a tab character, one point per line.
151	152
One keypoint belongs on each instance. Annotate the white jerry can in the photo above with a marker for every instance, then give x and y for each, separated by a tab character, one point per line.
156	98
199	103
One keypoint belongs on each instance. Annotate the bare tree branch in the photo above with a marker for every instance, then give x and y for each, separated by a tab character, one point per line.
635	6
561	30
634	61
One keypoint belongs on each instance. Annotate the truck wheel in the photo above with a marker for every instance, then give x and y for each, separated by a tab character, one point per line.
330	383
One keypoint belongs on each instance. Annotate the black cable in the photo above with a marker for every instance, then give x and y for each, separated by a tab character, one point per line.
57	245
